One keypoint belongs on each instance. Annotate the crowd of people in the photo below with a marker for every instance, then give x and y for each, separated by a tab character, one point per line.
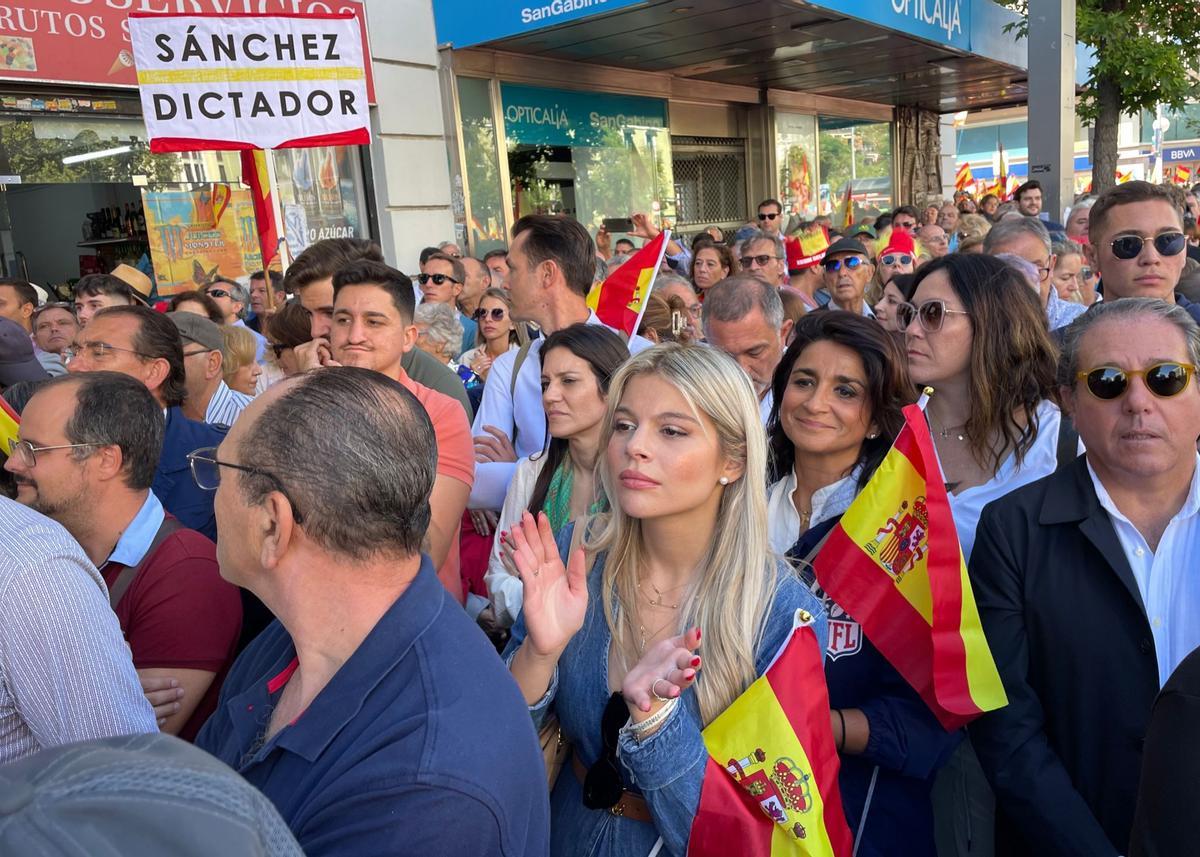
387	545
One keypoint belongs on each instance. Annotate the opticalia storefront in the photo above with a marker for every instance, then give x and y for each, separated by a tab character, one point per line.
693	110
80	191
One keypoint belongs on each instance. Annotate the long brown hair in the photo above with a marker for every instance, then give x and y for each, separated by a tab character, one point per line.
1013	359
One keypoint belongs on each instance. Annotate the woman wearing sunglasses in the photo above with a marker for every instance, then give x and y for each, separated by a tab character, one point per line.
976	333
496	332
683	607
897	257
899	290
839	390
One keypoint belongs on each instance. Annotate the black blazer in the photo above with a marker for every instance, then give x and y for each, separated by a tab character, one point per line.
1165	822
1066	624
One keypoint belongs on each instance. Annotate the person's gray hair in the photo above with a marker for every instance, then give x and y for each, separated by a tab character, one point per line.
665	281
1024	267
1067	247
353	494
734	298
601	271
444	326
237	292
1086	202
1013	228
1123	310
758	235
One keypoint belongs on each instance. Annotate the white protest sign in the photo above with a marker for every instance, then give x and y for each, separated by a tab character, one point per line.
250	81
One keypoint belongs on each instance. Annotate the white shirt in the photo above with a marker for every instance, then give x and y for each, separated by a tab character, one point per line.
225	406
65	671
1166	578
783	521
764	406
506	590
500	408
1041	460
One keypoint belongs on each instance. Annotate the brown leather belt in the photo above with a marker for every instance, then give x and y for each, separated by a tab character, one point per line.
629	806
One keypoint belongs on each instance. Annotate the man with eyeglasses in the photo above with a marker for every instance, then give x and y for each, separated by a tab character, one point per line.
234	299
1086	585
770	217
763	256
1028	238
906	218
373	714
89	449
848	269
1136	243
441	281
933	239
144	344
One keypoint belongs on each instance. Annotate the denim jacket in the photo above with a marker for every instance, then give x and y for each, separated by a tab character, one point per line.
667	769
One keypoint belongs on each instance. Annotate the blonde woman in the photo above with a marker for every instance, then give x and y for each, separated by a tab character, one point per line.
682	608
239	367
496	333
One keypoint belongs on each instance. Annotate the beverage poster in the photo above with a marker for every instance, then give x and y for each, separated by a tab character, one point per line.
193	240
319	196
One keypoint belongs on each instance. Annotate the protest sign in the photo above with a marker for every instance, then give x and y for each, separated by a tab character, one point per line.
250	81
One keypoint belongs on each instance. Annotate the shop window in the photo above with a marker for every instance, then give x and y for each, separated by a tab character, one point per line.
858	155
710	181
321	192
482	159
795	156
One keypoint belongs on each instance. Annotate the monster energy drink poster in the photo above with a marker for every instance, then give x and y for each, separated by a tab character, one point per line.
197	235
319	193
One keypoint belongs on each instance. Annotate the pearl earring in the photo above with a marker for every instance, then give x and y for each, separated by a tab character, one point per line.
724	480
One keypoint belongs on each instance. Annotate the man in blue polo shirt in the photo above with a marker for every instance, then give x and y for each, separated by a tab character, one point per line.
373	713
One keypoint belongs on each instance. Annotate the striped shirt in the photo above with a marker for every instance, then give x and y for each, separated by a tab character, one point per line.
65	671
225	406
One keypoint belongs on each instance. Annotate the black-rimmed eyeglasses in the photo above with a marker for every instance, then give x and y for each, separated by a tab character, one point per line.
206	472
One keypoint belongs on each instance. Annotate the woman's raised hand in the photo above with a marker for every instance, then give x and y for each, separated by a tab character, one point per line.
667	669
555	598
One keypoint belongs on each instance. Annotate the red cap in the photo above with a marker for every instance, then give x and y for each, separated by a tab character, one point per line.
899	242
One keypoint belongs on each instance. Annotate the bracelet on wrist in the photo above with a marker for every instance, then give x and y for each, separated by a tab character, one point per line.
641	729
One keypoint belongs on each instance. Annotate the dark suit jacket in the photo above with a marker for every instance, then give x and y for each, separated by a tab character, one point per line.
1066	624
173	483
1165	822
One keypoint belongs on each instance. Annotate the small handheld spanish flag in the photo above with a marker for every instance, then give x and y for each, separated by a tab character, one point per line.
894	563
1182	174
771	782
963	179
10	425
621	299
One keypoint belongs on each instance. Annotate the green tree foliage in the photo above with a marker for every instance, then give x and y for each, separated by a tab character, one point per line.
1147	53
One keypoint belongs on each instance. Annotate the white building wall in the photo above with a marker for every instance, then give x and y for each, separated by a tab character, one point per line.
408	148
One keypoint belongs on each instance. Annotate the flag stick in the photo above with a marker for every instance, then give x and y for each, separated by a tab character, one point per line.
277	204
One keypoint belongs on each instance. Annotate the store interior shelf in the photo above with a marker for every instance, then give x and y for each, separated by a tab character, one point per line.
137	239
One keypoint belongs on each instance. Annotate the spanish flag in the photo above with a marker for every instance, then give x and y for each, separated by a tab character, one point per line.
895	565
621	299
771	781
10	424
1182	174
963	178
1123	176
848	213
1002	172
254	174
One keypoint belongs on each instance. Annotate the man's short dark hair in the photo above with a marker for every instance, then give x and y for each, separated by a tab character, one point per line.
778	205
562	240
1125	194
378	504
910	210
395	283
112	409
426	253
322	260
91	285
1032	184
626	241
495	254
26	293
276	279
457	269
156	337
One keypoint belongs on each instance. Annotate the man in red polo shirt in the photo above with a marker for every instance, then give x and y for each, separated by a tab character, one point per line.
373	328
90	449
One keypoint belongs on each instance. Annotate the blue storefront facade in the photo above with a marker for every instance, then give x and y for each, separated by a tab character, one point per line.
693	110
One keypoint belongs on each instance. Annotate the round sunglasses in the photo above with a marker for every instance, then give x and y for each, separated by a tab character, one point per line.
931	315
896	258
497	313
1167	244
1164	380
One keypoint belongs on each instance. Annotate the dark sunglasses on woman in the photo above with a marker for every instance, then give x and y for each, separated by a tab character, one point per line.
497	314
602	787
895	258
1167	244
931	315
1164	380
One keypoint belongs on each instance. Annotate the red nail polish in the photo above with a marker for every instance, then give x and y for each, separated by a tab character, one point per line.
697	635
695	662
